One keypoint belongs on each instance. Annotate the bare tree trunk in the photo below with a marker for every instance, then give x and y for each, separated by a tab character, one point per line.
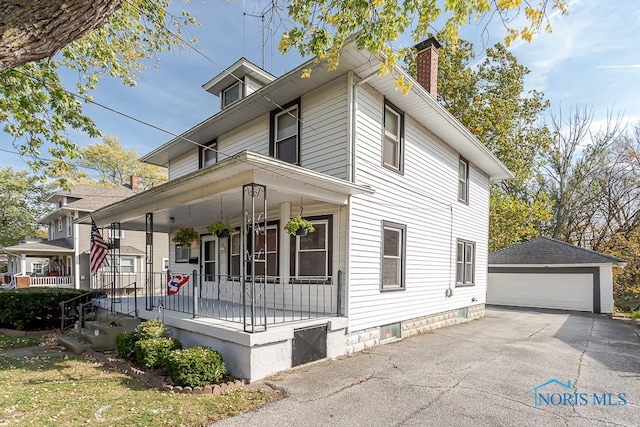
36	29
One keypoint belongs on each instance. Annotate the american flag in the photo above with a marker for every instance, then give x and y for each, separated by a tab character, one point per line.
98	250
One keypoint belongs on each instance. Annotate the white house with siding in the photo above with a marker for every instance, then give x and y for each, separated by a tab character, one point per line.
396	188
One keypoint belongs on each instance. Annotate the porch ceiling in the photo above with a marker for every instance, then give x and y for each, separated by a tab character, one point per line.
205	195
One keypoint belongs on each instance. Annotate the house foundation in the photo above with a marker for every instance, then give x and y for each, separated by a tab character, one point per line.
367	338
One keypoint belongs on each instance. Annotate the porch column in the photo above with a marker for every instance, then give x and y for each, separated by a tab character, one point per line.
285	243
23	264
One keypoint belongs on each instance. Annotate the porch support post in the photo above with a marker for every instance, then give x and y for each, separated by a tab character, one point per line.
251	227
285	244
115	262
23	264
148	256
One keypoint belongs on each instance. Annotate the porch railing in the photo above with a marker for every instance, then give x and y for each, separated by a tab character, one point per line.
253	303
52	282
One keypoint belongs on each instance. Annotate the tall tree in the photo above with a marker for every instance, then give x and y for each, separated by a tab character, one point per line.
36	109
21	204
579	173
491	101
108	164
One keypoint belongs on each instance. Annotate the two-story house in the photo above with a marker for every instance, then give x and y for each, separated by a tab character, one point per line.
395	187
62	260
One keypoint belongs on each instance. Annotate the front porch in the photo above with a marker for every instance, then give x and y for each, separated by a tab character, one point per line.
257	325
265	299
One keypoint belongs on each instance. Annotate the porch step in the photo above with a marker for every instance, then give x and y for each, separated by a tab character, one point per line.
73	344
99	334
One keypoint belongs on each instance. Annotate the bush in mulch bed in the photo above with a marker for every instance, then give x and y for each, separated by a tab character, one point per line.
194	368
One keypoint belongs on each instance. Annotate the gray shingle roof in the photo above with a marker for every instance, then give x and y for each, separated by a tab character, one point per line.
545	250
53	245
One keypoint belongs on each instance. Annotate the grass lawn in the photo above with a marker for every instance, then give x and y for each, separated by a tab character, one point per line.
73	391
8	342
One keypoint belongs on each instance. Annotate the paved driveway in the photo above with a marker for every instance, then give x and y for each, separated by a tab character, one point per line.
477	374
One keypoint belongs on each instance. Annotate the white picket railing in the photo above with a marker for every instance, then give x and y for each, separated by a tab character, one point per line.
52	282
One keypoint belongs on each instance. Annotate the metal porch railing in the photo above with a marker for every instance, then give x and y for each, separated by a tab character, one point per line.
254	304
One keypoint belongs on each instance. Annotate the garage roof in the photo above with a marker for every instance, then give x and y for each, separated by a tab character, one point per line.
545	250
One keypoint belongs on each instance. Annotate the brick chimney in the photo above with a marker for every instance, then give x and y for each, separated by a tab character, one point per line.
134	183
427	65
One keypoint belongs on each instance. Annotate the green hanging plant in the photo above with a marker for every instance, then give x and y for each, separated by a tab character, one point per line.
186	236
220	229
299	226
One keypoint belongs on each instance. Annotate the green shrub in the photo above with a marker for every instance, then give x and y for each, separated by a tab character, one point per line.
151	329
35	308
635	315
124	344
196	366
152	352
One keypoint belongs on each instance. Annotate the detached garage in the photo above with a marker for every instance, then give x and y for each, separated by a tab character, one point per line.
548	273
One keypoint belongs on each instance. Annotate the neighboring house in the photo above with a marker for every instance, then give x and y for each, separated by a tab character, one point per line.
63	259
548	273
396	188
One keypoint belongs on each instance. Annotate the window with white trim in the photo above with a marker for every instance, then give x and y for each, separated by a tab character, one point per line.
232	94
285	133
69	226
36	267
465	263
126	264
312	253
393	138
393	256
463	180
59	224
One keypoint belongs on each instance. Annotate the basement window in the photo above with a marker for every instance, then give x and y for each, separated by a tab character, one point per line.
390	332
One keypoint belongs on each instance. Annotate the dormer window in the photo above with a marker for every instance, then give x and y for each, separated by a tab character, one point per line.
232	94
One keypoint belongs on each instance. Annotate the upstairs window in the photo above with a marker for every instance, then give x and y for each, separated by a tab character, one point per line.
463	180
285	133
392	144
59	224
208	154
232	94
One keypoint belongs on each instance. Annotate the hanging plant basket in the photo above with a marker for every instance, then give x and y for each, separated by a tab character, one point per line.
299	226
220	229
186	236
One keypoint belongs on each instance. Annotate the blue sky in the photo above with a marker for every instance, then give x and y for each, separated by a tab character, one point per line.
591	58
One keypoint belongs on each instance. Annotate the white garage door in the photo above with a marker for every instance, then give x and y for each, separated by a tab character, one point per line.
557	291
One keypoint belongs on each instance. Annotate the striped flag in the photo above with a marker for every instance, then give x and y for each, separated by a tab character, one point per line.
98	250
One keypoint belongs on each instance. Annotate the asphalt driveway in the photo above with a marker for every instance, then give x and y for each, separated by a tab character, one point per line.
484	373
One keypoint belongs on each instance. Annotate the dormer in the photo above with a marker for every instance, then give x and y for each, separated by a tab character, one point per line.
237	82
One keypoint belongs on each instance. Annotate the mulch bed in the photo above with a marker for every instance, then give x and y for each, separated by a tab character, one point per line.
154	379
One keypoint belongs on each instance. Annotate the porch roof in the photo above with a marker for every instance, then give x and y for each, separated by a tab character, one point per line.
45	248
199	195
